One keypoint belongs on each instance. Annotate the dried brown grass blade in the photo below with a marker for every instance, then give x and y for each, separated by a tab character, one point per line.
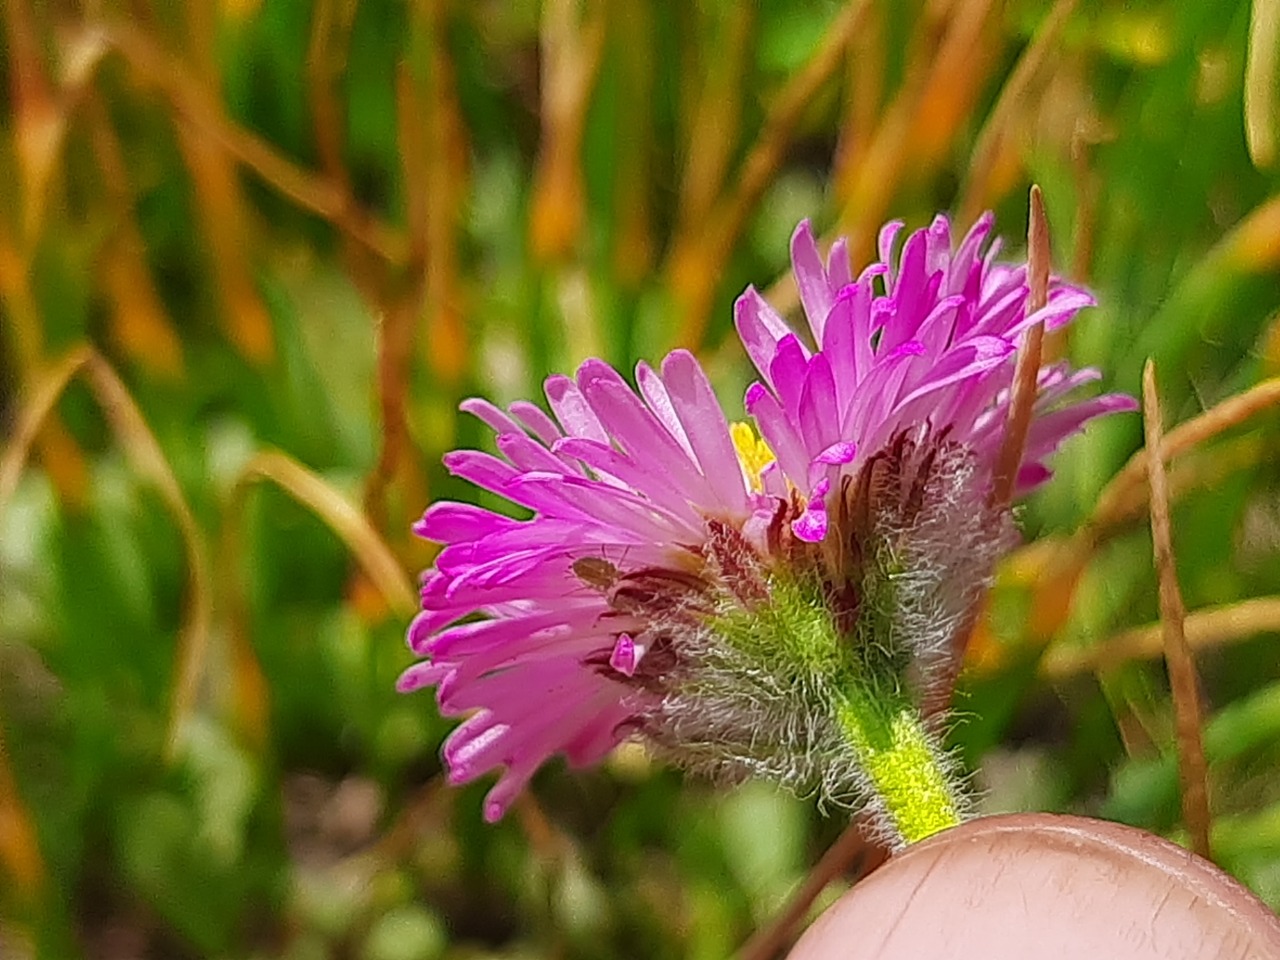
433	151
955	77
1051	567
143	452
768	152
39	120
1197	469
340	515
140	323
1112	503
697	259
225	222
413	133
198	107
570	47
1205	630
24	331
441	180
1182	672
1009	460
714	130
1026	373
224	214
997	129
635	245
395	337
399	307
1064	561
865	76
331	25
249	694
850	848
1088	188
942	81
42	396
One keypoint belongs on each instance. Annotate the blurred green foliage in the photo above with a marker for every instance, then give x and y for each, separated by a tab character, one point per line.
293	235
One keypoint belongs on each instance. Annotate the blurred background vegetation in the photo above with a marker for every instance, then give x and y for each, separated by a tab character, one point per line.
252	254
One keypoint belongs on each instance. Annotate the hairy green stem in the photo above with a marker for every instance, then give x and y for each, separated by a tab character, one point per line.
904	768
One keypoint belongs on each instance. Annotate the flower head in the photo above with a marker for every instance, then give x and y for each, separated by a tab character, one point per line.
748	603
927	339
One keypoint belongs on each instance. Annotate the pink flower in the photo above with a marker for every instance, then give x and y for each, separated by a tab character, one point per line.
617	483
935	346
648	590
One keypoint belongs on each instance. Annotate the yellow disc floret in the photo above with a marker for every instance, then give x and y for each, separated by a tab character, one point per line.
753	453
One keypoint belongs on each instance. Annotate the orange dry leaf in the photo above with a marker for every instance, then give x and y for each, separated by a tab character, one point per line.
555	218
244	317
65	464
983	650
139	324
240	9
865	81
570	56
39	121
693	272
250	694
24	334
446	323
958	74
941	84
1050	570
1052	600
448	342
19	850
996	162
1053	589
327	48
1005	171
1254	243
364	597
